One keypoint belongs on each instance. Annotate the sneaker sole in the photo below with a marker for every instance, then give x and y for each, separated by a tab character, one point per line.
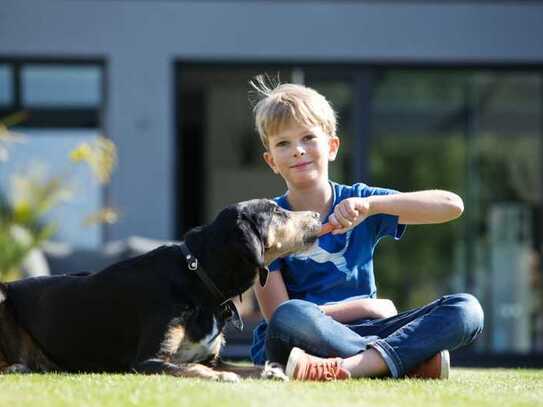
293	358
445	364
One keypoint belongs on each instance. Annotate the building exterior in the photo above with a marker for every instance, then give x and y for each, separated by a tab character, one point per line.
430	94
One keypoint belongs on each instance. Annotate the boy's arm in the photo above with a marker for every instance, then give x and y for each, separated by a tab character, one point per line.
371	308
273	294
432	206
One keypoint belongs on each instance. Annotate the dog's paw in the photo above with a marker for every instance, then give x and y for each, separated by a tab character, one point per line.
274	371
227	377
16	368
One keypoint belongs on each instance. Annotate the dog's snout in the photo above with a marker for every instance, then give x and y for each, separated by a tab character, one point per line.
316	215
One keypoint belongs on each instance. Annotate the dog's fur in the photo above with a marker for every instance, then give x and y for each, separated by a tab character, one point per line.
149	314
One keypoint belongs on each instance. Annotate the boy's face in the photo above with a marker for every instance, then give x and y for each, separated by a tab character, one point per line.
301	154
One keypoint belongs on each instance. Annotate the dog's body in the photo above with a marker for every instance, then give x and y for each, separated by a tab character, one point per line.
149	314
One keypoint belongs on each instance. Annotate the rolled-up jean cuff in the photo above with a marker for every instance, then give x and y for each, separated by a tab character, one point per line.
389	356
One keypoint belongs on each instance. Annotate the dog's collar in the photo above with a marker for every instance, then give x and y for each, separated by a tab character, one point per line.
228	308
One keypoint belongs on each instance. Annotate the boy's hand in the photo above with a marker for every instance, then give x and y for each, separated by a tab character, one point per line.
363	308
349	213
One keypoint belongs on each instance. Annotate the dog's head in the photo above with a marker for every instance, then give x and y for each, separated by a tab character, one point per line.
270	231
250	235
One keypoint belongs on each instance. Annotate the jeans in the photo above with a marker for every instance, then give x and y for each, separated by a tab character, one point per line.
404	340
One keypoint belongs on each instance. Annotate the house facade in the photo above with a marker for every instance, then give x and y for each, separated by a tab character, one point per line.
438	94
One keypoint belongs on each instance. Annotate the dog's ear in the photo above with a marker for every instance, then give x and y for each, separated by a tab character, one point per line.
253	249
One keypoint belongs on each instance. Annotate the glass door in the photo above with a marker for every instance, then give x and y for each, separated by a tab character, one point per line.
477	133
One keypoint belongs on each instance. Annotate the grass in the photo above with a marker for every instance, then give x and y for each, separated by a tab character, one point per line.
466	387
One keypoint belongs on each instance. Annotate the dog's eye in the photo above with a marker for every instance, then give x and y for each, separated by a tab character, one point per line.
277	209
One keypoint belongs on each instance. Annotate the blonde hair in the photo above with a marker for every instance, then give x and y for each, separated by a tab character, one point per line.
277	105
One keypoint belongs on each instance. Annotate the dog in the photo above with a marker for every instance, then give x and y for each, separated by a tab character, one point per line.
159	313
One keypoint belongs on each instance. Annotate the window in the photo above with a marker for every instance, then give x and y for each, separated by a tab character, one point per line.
477	132
55	106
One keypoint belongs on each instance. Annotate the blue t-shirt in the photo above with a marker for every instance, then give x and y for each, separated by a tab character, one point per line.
337	267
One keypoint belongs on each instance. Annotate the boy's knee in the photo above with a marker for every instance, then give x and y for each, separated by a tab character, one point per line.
469	315
291	322
292	315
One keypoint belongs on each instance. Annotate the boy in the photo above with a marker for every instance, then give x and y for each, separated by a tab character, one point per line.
322	318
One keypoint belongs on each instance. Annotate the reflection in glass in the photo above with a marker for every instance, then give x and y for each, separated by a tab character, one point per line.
478	134
507	166
417	143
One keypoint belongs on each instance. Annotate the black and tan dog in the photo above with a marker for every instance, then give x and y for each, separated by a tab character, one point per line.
162	312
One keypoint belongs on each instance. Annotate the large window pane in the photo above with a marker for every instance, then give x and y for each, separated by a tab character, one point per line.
479	134
418	143
505	182
61	85
44	154
6	85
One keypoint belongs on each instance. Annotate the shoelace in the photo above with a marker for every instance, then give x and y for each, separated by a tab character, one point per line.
324	370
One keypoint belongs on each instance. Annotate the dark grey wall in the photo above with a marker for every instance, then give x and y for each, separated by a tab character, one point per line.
141	39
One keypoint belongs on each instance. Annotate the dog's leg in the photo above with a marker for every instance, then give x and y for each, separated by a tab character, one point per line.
6	340
271	371
18	351
195	370
15	368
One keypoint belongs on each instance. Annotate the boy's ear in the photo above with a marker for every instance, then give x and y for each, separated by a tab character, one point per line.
333	147
269	160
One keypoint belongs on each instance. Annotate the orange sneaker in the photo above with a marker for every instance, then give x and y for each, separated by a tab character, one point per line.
437	367
303	366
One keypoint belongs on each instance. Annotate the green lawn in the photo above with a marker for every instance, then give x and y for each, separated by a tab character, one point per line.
466	387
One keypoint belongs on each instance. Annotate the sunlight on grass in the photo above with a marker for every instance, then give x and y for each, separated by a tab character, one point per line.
467	387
